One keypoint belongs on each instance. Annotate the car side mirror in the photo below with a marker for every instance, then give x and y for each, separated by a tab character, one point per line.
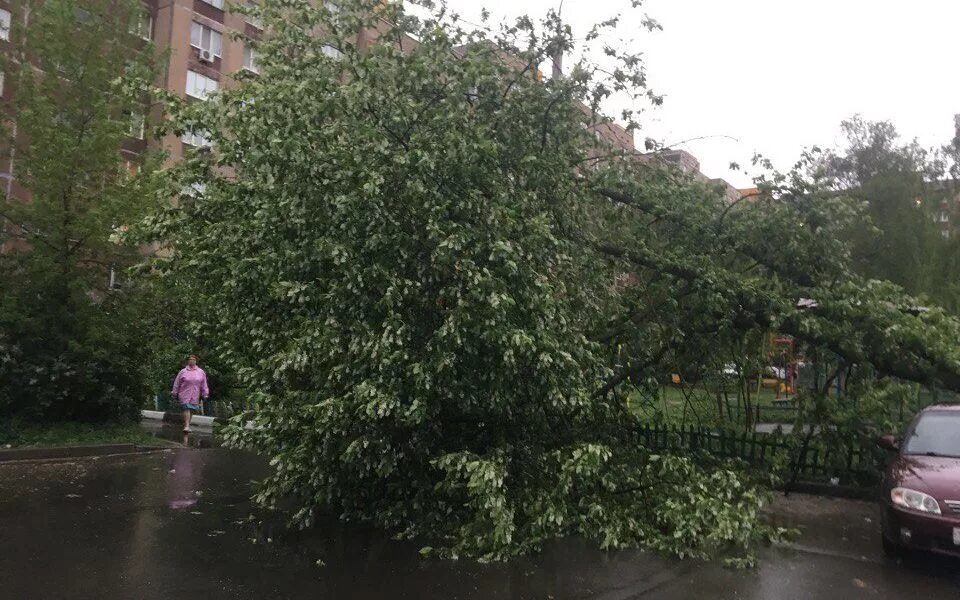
890	443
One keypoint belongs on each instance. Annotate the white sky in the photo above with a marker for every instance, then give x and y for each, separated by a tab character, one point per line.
779	75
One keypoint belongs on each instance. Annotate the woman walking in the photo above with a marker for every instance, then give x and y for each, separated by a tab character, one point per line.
189	386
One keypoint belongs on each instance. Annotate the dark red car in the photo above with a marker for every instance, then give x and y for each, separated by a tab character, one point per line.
922	485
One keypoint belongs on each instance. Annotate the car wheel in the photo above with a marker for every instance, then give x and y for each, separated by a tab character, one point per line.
892	549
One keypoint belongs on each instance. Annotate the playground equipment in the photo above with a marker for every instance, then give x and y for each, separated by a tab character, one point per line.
784	361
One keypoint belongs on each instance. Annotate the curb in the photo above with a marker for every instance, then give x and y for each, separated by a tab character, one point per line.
846	492
172	417
17	454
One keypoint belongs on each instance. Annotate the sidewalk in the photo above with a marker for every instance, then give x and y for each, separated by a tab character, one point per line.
831	526
196	421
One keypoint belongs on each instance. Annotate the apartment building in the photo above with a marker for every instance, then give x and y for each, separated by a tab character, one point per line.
691	166
203	53
200	55
8	12
945	216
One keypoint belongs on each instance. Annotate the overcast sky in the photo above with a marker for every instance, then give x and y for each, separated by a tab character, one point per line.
779	75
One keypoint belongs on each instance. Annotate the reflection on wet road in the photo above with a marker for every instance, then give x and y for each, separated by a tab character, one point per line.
177	524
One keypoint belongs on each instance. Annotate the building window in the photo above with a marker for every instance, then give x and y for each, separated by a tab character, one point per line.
215	3
142	24
250	59
204	38
4	24
197	139
194	190
251	19
331	52
138	125
24	230
115	282
200	86
129	168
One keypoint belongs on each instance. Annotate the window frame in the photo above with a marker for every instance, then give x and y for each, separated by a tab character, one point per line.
130	168
193	190
206	90
113	281
332	52
196	139
215	3
250	51
145	17
252	20
138	126
211	31
6	24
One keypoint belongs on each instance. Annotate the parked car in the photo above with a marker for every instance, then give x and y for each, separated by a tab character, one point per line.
922	485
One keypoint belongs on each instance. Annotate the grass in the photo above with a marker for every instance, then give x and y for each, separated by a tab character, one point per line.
673	406
18	434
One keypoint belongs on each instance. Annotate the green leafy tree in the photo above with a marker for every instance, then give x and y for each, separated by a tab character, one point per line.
70	341
901	185
438	284
164	307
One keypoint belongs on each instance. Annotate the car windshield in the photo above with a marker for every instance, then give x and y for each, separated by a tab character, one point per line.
936	433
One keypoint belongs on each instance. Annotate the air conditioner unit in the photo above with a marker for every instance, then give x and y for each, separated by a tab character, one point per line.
206	56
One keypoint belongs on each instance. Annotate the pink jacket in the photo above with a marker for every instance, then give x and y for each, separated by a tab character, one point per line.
190	384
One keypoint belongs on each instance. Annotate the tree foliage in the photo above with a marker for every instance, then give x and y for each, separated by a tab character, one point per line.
68	343
438	283
902	187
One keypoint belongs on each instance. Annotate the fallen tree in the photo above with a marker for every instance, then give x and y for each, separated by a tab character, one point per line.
438	304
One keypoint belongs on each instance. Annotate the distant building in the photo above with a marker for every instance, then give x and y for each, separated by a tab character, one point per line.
689	164
203	44
943	216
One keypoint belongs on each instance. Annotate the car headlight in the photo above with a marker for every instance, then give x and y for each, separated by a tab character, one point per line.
915	500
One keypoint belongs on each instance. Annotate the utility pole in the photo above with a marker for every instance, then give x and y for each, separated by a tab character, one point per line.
557	57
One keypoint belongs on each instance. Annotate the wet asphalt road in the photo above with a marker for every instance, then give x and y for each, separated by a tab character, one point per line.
177	525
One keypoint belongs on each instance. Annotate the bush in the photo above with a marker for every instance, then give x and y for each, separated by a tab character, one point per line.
95	374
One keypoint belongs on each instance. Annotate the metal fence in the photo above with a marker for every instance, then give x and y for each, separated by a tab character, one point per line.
852	463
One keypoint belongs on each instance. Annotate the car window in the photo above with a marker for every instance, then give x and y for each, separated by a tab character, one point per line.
936	433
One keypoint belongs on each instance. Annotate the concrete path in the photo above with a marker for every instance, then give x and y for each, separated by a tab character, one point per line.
176	524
